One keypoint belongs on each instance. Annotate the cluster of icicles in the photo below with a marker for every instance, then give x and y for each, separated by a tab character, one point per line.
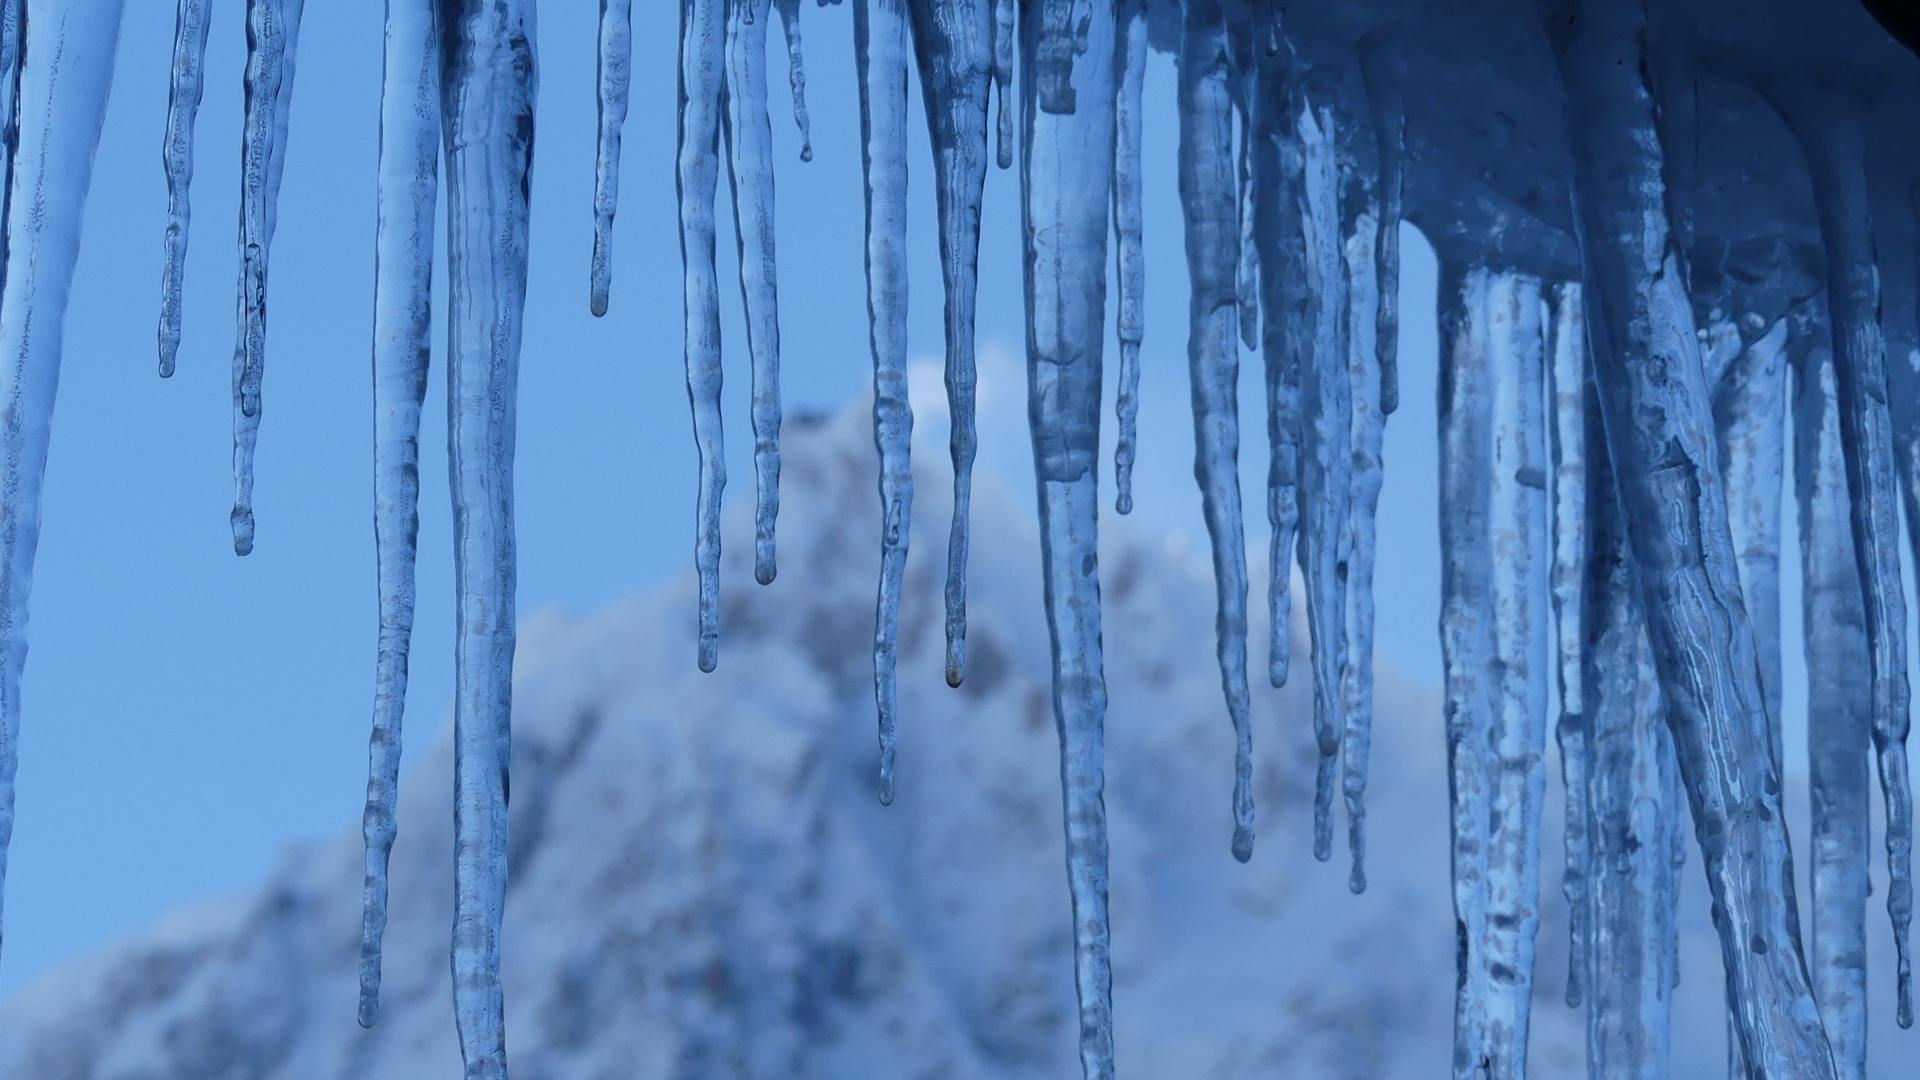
1610	478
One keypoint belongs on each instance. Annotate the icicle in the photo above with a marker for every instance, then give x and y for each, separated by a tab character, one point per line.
1290	323
1129	324
402	325
750	170
1749	395
615	76
1749	407
1626	798
1065	175
1520	570
1325	484
66	64
1363	373
953	44
1208	194
183	102
1003	35
1567	371
1659	434
488	102
1386	101
880	49
796	73
1466	633
1830	133
1839	712
273	31
702	41
1247	272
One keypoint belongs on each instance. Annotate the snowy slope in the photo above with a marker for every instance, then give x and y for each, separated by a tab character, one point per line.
705	886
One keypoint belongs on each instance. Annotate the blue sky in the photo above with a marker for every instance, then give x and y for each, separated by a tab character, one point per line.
188	713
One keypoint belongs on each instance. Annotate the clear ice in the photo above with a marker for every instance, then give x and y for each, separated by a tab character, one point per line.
273	32
408	195
1614	398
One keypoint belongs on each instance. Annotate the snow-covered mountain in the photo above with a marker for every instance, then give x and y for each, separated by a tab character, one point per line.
705	886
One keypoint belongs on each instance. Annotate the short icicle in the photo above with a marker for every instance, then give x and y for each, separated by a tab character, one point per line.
1209	193
1627	796
488	104
1567	395
1386	99
1360	212
614	79
184	90
1004	33
1839	711
1326	459
273	31
66	68
796	73
1831	133
1066	173
1659	435
953	44
749	135
1289	315
697	179
880	51
402	325
1521	553
1129	321
1466	634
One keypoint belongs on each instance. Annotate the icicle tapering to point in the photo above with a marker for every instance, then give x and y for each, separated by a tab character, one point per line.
402	324
1209	193
880	51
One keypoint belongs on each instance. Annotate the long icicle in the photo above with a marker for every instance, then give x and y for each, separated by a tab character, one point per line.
1386	99
1129	321
1065	175
1359	215
697	178
1289	313
1749	399
273	31
614	80
1749	413
1659	434
402	348
1626	796
1466	633
796	73
1567	395
880	50
749	135
1831	134
1521	552
488	103
954	48
1839	712
66	66
1209	192
1326	460
184	91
